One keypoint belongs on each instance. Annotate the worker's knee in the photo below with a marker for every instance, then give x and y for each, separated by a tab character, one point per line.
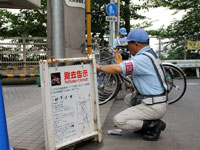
118	120
124	123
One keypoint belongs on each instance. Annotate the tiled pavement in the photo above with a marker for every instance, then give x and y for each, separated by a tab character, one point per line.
24	113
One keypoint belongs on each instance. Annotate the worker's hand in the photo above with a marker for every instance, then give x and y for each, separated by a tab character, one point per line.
132	89
98	67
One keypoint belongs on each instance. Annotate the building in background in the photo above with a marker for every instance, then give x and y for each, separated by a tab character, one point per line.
20	4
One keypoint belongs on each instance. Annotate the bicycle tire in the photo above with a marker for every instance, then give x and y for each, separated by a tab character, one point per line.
176	82
108	85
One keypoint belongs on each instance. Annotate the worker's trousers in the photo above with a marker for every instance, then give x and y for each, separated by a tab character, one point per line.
132	118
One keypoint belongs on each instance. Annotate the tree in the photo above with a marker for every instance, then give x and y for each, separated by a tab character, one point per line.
33	22
188	27
99	25
128	11
25	23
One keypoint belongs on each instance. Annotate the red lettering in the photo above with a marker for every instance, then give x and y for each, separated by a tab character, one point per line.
73	75
67	75
85	73
79	74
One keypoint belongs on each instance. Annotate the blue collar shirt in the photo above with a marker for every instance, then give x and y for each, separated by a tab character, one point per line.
143	73
122	41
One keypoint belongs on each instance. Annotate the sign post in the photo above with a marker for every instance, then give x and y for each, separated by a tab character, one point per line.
111	10
70	102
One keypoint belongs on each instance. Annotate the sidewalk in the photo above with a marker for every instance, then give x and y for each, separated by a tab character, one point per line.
25	126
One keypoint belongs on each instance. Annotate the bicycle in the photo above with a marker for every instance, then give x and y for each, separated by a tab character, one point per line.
176	82
109	85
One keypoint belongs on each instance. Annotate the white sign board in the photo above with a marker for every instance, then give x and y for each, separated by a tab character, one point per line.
111	18
70	103
75	3
113	1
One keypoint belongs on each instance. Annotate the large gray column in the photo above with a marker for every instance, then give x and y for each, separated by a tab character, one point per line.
57	28
74	28
74	31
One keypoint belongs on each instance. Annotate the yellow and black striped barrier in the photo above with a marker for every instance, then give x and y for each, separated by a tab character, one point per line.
21	68
18	76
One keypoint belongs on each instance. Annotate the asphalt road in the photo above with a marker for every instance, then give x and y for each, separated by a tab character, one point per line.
182	131
182	118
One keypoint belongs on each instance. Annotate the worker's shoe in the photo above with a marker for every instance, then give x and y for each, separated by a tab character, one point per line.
147	125
141	131
154	128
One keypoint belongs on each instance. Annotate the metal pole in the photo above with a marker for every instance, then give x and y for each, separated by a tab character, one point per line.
118	19
184	48
88	12
57	29
159	51
112	29
24	52
111	33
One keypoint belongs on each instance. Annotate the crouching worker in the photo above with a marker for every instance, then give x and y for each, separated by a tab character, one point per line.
148	102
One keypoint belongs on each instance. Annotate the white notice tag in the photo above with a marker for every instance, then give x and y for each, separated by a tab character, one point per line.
115	132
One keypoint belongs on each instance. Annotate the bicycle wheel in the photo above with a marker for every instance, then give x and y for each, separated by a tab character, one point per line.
108	85
176	83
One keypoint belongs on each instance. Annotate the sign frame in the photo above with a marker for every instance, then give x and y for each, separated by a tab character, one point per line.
111	18
111	7
73	3
193	45
93	128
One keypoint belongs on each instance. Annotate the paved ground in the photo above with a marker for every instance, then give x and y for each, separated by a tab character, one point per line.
25	122
23	106
182	131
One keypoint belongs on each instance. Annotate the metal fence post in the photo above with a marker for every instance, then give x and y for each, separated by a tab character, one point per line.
159	51
38	78
24	52
185	52
4	141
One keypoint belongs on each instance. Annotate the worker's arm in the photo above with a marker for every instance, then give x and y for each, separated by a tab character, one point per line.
112	69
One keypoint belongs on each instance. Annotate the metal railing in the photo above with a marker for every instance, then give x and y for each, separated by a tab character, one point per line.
194	63
22	52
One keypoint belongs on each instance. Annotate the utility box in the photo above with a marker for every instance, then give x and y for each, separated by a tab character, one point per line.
74	26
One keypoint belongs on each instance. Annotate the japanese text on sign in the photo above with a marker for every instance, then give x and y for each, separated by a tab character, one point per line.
76	76
75	3
111	18
71	107
193	45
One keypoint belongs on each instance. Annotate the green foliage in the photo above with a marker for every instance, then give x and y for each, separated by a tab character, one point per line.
26	23
128	11
33	22
99	25
178	4
187	27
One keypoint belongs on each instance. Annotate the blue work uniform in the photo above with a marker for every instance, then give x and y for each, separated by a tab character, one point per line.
119	42
143	74
144	71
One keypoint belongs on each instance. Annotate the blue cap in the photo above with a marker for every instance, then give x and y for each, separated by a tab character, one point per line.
138	35
122	31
